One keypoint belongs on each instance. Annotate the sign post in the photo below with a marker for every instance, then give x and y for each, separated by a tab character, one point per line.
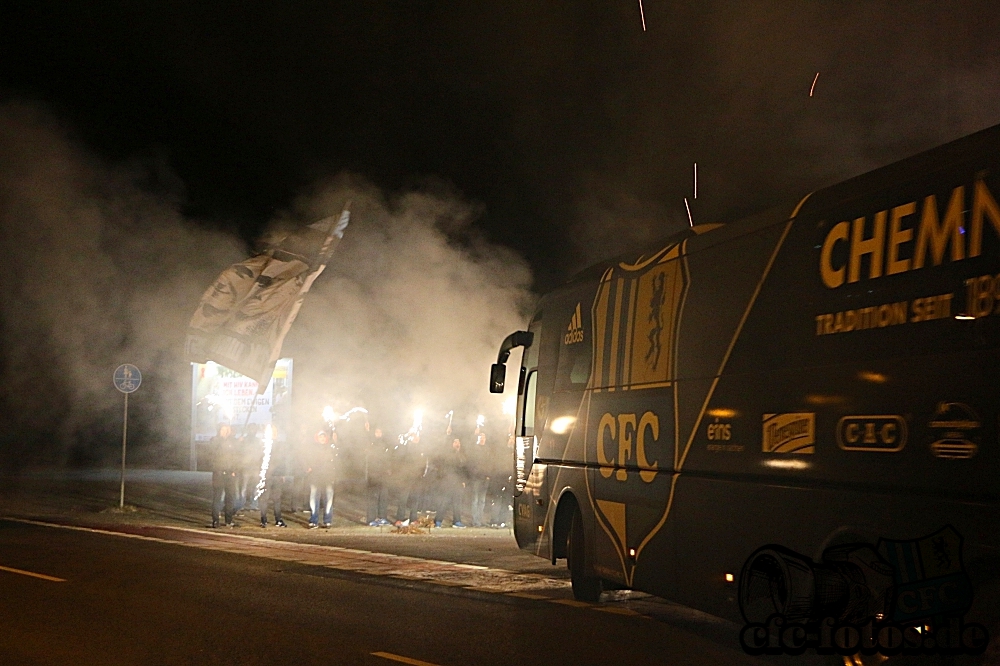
127	379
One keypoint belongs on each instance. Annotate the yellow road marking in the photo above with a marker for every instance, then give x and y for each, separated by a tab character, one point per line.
526	595
571	602
616	610
401	659
33	574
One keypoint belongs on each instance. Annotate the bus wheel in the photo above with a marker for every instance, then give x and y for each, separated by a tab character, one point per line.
585	588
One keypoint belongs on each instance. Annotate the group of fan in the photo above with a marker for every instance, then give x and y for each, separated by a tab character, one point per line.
451	477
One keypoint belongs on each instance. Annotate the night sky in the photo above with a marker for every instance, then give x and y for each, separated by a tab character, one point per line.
573	128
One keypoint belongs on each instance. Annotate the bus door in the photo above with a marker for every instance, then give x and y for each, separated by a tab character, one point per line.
527	478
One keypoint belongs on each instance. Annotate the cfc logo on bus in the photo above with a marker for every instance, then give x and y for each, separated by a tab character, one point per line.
627	430
907	237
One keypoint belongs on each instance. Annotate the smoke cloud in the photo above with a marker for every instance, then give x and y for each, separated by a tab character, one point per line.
411	309
102	268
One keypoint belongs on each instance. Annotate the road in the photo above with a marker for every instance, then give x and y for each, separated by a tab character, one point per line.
78	596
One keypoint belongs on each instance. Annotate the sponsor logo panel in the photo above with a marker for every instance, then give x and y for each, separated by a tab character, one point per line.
882	432
956	428
789	433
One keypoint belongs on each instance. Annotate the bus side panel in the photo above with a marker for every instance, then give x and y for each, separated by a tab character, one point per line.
876	425
853	401
719	523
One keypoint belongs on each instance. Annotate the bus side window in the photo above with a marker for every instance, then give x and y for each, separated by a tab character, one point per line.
528	423
573	370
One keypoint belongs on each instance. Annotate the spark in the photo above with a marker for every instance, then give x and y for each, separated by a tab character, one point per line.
642	15
813	86
480	421
690	219
268	442
329	415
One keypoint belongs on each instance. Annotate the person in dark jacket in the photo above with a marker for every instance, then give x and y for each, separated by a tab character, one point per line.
225	463
480	471
297	460
406	469
453	475
502	481
376	472
322	476
251	453
275	480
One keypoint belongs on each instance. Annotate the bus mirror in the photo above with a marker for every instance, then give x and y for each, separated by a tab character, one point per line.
498	375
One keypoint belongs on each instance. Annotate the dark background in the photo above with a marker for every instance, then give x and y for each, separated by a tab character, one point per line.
574	127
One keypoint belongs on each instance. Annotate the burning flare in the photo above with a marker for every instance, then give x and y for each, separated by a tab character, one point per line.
330	416
413	434
268	442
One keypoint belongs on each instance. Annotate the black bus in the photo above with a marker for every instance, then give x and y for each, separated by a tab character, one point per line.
793	413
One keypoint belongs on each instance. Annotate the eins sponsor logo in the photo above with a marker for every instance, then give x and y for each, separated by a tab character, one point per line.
789	433
574	332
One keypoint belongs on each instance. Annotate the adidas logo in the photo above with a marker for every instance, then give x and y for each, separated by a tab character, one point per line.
574	333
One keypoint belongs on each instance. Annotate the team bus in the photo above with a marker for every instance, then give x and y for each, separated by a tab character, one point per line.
793	414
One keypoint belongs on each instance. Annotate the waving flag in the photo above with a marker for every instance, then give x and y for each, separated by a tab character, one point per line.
243	318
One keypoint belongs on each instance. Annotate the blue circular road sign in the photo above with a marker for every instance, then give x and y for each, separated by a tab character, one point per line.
127	378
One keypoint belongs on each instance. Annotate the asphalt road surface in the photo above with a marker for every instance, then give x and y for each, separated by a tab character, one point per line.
72	596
